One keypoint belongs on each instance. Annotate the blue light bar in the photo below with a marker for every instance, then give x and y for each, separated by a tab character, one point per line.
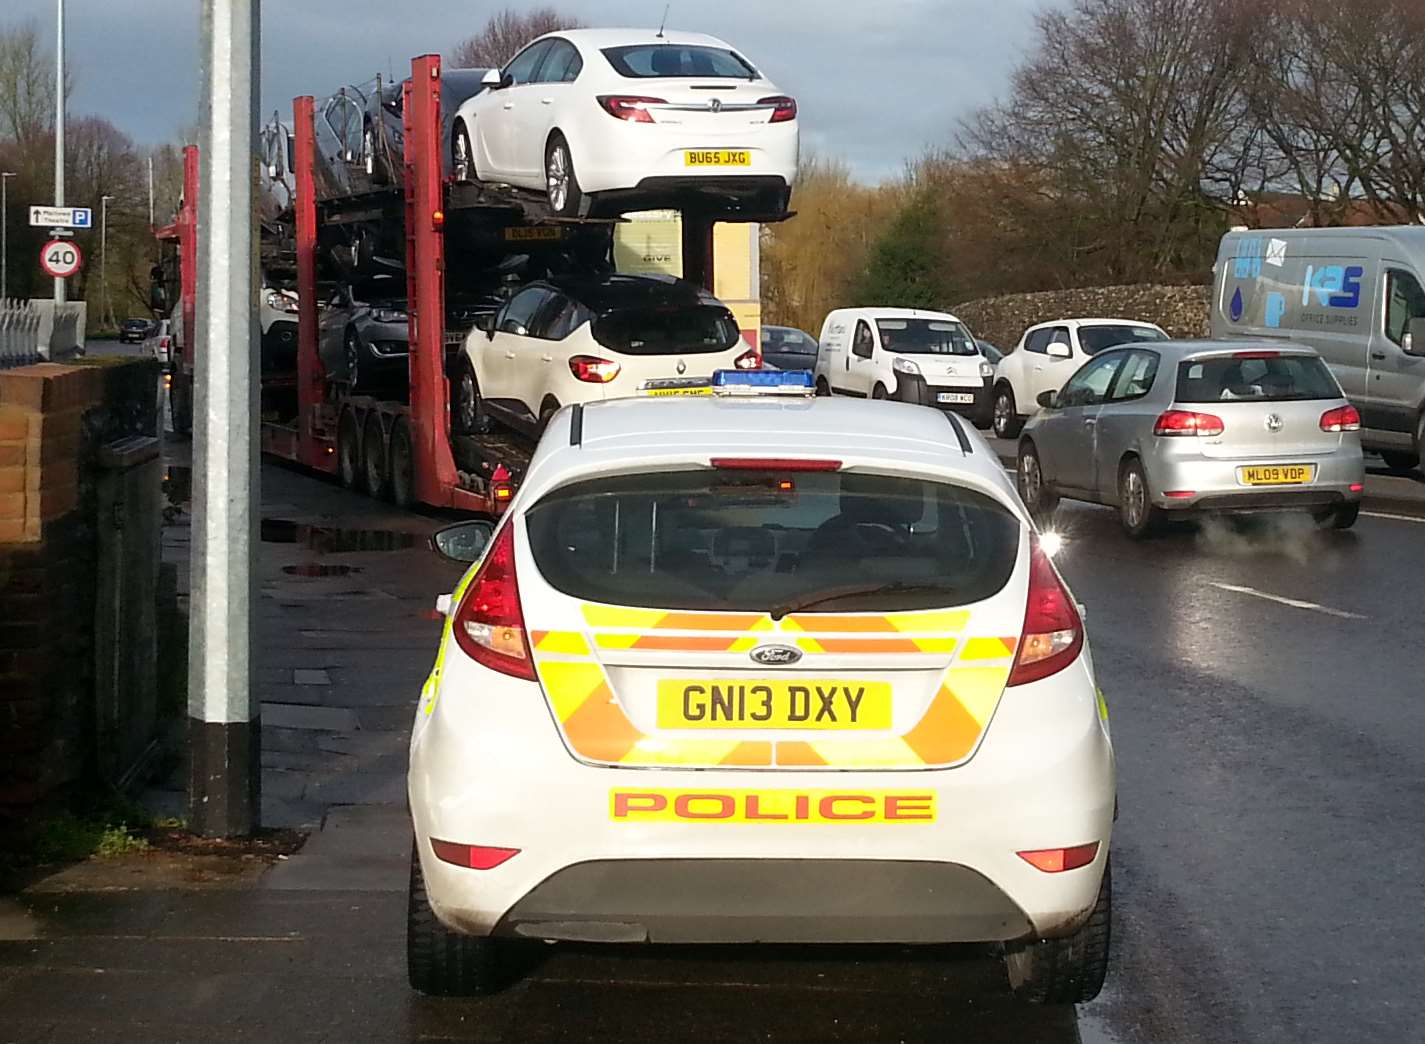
763	382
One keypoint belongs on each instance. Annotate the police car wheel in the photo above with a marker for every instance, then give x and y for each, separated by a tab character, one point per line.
439	962
1070	970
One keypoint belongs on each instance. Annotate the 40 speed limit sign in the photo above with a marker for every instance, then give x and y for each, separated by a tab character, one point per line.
60	258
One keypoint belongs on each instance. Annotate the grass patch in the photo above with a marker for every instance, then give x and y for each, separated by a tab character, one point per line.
107	826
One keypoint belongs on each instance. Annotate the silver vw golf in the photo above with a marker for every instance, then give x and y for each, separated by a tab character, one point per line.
1175	428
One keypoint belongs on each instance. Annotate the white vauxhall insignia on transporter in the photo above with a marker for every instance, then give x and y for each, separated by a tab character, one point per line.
761	668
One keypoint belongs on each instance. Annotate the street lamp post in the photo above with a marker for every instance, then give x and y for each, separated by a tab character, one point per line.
104	254
5	176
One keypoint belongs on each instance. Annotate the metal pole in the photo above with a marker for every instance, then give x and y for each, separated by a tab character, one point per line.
150	192
104	254
5	177
224	721
59	135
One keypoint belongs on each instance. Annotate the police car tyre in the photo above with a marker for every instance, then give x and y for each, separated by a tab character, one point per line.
439	962
1006	419
348	453
1137	514
1070	970
1038	496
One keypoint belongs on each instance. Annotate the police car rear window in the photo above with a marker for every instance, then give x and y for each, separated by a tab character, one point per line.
768	540
1255	377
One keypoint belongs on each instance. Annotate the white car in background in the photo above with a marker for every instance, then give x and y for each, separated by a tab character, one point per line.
612	120
1048	355
580	339
909	354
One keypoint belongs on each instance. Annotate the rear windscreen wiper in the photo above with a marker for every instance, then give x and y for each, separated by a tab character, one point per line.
863	590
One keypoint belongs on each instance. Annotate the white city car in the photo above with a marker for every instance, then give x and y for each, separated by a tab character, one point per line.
611	120
1048	355
579	339
761	668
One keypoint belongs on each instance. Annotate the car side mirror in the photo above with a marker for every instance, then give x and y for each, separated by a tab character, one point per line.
463	542
1047	399
1413	343
493	78
485	322
1060	350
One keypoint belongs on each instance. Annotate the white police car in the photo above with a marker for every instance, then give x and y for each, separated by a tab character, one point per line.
761	668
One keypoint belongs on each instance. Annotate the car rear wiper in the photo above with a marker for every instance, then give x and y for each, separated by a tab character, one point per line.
862	590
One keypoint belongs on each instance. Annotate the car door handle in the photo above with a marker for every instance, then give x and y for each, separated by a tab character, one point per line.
1037	369
546	101
1377	355
509	105
509	355
1089	422
546	358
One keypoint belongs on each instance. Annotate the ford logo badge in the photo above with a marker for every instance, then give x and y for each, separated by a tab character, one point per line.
773	655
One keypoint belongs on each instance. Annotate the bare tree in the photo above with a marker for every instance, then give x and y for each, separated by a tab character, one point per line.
505	33
26	85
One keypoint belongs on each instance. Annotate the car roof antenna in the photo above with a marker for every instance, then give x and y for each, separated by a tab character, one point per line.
661	24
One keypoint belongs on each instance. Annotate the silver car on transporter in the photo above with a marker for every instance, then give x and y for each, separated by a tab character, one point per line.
1177	428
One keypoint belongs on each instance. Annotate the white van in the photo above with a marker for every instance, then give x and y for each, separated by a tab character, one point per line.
910	354
1356	295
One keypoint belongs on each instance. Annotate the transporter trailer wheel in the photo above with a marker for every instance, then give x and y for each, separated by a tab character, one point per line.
373	452
403	468
440	962
348	453
1070	970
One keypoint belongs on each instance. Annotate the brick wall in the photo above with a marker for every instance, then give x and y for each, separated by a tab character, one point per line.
53	419
1180	310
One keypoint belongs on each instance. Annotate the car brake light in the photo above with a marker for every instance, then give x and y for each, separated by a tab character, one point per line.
1053	633
773	464
749	360
1342	418
1186	422
783	108
629	107
1057	860
472	857
489	625
592	370
1256	355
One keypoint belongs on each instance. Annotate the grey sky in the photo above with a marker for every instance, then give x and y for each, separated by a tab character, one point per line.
876	80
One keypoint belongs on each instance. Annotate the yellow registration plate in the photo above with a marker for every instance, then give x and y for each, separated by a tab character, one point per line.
758	703
717	158
692	389
1276	474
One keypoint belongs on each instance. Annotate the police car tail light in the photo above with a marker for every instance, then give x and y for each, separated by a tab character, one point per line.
592	370
628	107
472	857
749	360
773	464
1342	418
1187	422
489	625
1053	633
783	108
1057	860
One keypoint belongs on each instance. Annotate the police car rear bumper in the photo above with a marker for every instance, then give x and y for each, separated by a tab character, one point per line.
766	900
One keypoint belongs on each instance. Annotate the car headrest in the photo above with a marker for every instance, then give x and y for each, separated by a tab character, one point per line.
878	498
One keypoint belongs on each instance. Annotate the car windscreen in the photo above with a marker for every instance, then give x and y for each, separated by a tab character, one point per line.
1255	376
772	540
671	330
652	61
1095	339
790	341
926	337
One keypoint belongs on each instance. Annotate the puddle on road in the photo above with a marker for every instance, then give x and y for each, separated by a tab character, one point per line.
332	540
319	569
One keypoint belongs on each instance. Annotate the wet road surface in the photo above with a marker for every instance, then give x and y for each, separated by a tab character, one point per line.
1268	711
